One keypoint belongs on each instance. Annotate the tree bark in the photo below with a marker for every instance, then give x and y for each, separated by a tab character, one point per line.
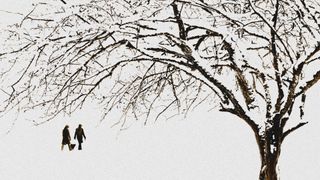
271	149
269	168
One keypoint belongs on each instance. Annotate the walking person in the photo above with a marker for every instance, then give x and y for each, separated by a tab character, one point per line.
79	134
66	138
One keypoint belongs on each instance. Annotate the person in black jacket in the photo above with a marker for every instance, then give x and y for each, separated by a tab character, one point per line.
79	134
66	137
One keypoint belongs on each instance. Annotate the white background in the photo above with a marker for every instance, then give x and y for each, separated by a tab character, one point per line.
203	146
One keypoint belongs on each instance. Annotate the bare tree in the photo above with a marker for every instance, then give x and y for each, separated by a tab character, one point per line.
257	59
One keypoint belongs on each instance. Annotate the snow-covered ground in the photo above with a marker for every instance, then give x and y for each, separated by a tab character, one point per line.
201	147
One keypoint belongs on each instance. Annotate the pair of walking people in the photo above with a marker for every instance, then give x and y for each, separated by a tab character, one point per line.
66	138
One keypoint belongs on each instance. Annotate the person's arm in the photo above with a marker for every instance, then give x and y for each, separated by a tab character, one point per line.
68	135
75	134
84	134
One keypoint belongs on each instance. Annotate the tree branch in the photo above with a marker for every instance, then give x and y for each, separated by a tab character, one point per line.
286	133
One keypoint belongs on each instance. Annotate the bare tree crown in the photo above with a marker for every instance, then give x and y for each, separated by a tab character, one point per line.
248	55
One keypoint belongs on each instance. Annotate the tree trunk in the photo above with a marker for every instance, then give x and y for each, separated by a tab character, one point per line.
269	168
270	152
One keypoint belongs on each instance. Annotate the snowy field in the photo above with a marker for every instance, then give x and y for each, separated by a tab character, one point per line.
197	148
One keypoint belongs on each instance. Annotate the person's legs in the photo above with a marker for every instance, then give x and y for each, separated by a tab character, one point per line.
69	145
62	147
79	144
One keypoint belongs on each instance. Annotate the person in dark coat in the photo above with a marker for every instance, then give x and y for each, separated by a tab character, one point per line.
66	137
79	135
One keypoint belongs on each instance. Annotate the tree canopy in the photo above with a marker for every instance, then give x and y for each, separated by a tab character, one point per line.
65	54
